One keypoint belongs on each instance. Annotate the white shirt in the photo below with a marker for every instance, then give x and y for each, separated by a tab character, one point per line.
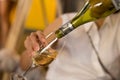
77	59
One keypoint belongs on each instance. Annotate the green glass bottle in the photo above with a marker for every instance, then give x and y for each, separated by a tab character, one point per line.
92	10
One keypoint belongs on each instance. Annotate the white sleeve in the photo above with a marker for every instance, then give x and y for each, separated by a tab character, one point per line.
118	38
117	20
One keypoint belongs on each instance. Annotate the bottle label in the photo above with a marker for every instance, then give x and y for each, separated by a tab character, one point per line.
116	4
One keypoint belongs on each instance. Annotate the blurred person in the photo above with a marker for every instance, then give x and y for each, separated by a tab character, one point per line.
4	20
90	52
10	61
5	8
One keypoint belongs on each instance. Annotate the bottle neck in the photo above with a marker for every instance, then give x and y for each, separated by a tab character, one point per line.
91	11
64	30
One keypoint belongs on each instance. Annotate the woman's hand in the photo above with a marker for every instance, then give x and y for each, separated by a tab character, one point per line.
35	41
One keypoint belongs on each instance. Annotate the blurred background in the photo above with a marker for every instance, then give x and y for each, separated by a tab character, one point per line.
38	15
18	18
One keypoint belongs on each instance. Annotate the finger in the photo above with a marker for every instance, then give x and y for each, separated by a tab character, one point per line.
30	53
28	45
41	38
34	41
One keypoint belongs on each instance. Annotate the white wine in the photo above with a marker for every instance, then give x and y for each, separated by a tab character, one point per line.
45	58
92	10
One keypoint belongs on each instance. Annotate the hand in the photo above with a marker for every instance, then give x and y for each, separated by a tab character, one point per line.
35	41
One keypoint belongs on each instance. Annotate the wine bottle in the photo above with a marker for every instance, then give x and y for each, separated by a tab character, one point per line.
92	10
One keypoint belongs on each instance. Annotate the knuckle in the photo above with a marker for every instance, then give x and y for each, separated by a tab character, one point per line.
31	34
